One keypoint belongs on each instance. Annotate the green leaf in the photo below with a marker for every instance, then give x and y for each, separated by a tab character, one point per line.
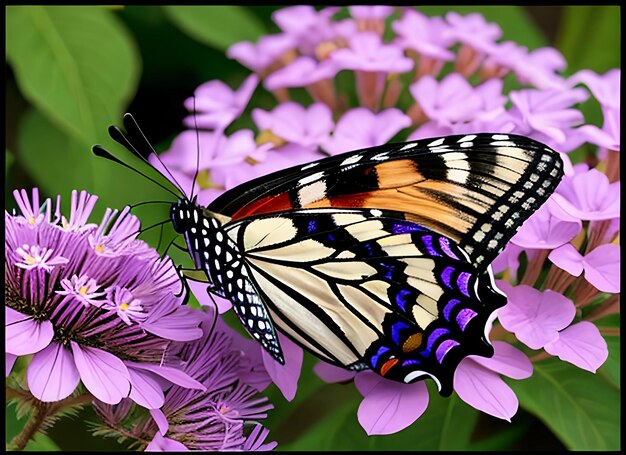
217	26
78	65
9	161
41	443
589	37
581	408
59	164
514	21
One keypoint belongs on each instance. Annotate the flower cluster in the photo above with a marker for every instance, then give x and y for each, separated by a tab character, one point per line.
93	304
222	417
434	76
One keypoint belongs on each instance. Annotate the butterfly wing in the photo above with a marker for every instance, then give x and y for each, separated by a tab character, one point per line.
475	189
369	289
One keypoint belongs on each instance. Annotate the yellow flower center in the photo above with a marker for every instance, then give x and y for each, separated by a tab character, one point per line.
224	410
31	220
30	259
83	290
99	248
266	136
124	306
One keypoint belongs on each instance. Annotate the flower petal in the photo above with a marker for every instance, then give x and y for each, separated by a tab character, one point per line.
507	360
179	325
160	420
102	373
173	375
534	316
484	390
568	258
580	344
9	361
24	335
285	376
602	268
145	390
330	373
52	373
200	292
162	444
389	406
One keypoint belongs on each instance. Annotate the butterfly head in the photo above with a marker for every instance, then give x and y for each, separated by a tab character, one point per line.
186	214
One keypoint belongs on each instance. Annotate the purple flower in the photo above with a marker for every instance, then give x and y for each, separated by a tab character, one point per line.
535	317
589	196
389	406
292	122
57	310
548	112
33	213
429	37
308	26
454	100
217	105
601	265
473	30
302	72
258	57
210	420
368	53
546	230
360	128
605	88
609	136
370	12
477	380
285	376
580	344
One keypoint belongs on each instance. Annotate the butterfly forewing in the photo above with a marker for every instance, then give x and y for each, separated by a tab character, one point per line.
368	288
475	189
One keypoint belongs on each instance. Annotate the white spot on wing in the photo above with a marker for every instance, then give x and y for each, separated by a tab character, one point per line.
409	146
500	137
311	178
351	160
467	138
437	142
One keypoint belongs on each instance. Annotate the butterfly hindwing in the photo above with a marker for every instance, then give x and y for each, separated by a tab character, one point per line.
369	289
475	189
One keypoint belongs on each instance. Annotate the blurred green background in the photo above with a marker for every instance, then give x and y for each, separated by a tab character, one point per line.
73	71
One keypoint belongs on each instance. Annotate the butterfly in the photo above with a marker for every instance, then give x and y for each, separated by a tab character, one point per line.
372	259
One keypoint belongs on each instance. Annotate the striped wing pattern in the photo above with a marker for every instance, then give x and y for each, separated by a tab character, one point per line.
369	289
475	189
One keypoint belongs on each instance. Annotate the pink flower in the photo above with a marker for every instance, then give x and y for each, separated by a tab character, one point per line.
217	105
370	12
605	88
548	112
428	36
580	344
368	53
546	230
301	72
454	100
477	380
473	30
535	317
601	265
589	196
285	376
258	57
35	257
82	288
609	136
306	127
360	128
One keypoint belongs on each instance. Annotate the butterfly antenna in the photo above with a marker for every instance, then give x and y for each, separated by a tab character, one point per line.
136	142
149	202
100	151
195	124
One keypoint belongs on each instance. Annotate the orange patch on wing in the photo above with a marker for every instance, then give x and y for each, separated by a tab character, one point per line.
267	204
398	173
412	343
387	366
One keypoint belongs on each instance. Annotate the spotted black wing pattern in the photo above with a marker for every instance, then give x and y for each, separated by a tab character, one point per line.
370	289
228	276
476	189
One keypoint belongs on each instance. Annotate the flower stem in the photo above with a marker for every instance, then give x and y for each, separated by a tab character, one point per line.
38	414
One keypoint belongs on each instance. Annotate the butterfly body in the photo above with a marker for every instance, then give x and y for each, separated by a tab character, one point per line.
374	259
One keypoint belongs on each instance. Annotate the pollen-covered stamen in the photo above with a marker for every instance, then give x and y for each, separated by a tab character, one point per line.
127	307
82	205
32	213
36	257
83	288
122	233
